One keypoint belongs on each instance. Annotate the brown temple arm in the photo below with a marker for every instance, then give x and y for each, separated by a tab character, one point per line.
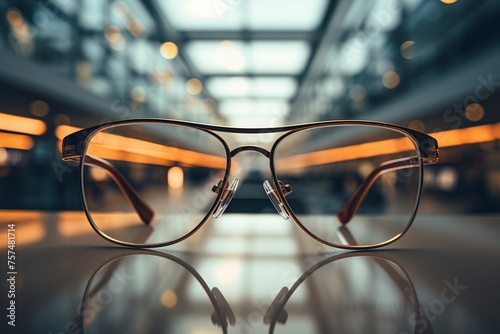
140	206
349	209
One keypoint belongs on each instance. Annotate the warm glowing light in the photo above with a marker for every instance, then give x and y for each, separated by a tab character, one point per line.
390	79
75	223
98	174
447	178
115	38
169	50
135	27
22	124
119	44
175	177
30	232
471	135
14	17
169	299
474	112
112	34
448	2
194	86
39	108
4	156
72	224
162	77
351	152
406	49
19	142
10	216
139	95
64	130
27	232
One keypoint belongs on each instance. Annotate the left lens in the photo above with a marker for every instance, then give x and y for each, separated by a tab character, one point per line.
147	184
365	177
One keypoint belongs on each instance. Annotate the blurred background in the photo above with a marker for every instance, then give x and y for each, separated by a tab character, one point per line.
430	65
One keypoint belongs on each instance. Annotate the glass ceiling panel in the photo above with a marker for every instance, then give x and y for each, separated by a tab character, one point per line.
249	14
273	57
218	57
254	113
202	14
221	87
300	14
278	57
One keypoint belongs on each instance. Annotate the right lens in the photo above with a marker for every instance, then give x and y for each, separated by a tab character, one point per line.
151	183
365	176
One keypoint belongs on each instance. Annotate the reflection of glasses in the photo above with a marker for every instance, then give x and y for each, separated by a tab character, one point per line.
347	287
390	303
174	175
121	280
389	283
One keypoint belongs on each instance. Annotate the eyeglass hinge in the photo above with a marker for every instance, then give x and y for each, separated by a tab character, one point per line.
217	187
69	153
433	156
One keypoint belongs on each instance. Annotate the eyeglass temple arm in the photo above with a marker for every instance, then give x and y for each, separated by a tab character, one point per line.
349	209
140	206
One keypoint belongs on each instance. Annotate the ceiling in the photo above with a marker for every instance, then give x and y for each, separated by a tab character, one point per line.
258	62
250	58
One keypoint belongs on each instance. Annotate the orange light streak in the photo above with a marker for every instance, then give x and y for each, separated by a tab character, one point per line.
20	124
135	150
457	137
19	142
116	147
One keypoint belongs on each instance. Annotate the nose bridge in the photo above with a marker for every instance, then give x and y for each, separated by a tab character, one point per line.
258	149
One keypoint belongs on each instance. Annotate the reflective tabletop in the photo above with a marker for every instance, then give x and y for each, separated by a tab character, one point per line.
248	274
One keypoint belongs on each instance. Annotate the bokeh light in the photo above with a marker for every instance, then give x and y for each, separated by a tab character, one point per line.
169	50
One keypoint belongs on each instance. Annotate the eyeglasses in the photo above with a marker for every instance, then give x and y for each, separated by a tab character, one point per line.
155	182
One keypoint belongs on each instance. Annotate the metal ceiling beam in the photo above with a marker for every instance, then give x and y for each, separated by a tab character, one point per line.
331	31
250	75
265	35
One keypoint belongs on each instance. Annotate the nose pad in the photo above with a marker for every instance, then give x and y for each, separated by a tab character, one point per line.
227	197
275	307
271	193
225	309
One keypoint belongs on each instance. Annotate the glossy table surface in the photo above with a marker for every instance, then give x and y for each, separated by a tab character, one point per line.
250	274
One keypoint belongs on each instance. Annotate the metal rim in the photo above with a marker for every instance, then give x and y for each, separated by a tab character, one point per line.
159	244
291	214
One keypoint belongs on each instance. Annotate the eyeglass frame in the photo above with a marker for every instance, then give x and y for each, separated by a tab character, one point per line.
74	148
